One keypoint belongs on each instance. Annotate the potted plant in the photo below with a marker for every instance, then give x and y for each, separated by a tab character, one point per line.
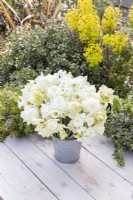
66	108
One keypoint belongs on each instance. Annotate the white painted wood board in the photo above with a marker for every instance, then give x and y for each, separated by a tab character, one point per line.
103	148
47	171
94	176
17	182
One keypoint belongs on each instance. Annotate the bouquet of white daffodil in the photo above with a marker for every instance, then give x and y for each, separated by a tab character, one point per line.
64	106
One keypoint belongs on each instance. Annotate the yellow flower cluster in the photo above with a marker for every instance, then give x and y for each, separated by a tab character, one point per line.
111	18
86	7
131	14
93	54
117	41
89	28
72	18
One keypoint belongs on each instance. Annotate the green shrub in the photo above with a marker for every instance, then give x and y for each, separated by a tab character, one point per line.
119	73
10	121
60	48
47	52
119	127
64	50
24	48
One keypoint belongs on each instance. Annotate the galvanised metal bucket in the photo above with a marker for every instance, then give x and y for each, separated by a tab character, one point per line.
67	151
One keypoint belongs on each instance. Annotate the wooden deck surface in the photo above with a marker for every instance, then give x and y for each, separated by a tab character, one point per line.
29	171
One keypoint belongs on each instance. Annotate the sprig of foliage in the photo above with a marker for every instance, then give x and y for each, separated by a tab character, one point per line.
119	127
10	121
21	77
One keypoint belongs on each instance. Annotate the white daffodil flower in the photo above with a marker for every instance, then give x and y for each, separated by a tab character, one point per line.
59	102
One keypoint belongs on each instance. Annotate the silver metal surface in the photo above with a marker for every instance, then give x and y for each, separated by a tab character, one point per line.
67	151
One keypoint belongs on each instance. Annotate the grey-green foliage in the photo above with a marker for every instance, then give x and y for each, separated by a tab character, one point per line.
64	50
42	51
10	121
119	127
24	48
21	77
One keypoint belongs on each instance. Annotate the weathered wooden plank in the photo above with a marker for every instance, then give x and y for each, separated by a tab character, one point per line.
47	171
17	182
94	176
102	148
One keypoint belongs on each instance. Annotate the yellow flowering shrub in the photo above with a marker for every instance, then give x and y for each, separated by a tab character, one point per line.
131	14
117	41
106	40
111	18
93	54
86	20
96	31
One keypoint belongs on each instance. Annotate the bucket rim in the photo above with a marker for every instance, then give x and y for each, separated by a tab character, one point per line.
72	140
